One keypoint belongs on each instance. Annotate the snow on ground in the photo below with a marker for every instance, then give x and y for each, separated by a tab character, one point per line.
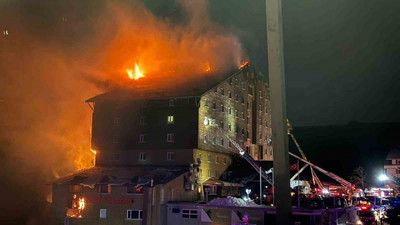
232	201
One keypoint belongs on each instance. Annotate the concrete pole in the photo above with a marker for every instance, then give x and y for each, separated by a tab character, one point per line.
278	112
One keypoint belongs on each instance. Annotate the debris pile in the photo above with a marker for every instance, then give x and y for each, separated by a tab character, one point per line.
232	201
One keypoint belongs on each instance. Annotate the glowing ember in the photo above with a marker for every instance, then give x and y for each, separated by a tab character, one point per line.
93	151
243	64
207	68
138	74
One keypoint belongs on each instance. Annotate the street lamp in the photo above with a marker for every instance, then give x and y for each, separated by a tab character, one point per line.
383	177
248	191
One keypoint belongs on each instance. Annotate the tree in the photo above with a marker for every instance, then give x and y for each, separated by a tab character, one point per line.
359	177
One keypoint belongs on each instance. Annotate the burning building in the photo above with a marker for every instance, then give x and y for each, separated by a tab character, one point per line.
154	146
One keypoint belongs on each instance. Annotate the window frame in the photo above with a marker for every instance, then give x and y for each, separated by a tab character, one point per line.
140	214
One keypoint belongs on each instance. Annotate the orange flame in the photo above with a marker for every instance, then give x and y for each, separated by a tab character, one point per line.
138	74
245	63
82	204
207	69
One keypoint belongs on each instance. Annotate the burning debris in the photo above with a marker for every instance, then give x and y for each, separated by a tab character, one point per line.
78	205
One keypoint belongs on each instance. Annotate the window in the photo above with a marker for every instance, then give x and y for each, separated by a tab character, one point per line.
242	131
142	138
209	158
206	102
222	108
103	213
170	156
116	156
242	99
115	139
230	81
170	119
266	123
222	125
214	141
134	189
236	113
103	188
189	213
205	138
134	214
247	135
116	121
214	105
229	127
75	188
170	138
243	115
248	105
229	94
236	98
142	120
171	102
229	110
222	91
247	149
237	129
142	156
224	160
216	159
222	142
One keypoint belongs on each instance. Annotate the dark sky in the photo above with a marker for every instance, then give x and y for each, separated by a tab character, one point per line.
341	57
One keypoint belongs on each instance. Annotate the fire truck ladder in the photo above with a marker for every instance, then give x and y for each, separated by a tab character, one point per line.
342	181
313	174
245	155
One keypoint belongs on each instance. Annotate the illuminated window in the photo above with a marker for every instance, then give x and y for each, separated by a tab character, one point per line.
170	138
142	156
103	213
134	214
170	156
103	188
170	120
5	32
142	138
171	102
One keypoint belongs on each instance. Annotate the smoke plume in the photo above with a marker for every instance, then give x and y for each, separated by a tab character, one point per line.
55	55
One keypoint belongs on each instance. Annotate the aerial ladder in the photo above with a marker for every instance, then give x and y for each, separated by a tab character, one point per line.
241	152
265	175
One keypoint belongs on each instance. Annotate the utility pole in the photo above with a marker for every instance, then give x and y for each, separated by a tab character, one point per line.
278	112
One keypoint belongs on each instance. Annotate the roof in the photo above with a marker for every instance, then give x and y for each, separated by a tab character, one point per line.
176	88
141	176
393	154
